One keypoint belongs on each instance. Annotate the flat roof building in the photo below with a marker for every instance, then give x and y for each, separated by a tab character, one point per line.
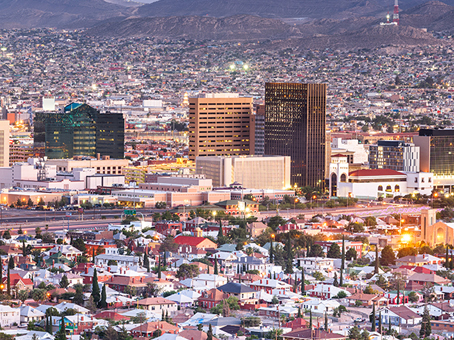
261	172
221	125
80	130
295	126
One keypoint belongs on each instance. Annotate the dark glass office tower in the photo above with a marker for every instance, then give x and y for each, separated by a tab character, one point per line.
80	130
295	119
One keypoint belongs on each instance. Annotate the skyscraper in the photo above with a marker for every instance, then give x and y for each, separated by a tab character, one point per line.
220	125
4	143
295	119
80	130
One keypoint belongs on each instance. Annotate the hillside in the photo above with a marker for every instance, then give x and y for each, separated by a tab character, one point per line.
56	13
426	15
275	9
240	27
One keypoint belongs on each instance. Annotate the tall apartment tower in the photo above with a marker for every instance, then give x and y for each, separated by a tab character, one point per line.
221	125
295	119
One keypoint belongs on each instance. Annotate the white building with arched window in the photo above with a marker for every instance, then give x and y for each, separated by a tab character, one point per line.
374	183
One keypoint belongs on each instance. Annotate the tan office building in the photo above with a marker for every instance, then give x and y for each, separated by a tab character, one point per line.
253	172
221	125
4	143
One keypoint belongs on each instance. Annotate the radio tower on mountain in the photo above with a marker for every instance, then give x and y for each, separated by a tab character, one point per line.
396	12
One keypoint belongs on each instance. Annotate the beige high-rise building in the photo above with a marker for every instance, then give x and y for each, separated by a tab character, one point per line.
4	143
221	125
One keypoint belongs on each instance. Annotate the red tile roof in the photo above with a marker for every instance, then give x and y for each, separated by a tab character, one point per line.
15	278
189	240
375	172
111	315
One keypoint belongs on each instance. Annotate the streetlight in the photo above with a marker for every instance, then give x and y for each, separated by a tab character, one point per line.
214	215
435	195
294	203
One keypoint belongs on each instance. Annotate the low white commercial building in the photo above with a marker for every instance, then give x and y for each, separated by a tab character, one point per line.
374	183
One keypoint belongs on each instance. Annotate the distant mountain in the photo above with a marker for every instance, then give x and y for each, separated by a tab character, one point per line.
57	13
426	15
239	27
275	9
327	33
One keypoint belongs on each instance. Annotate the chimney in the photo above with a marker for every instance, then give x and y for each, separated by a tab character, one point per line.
98	156
81	318
108	269
86	270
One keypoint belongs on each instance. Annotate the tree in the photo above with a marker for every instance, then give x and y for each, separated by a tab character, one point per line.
342	262
274	300
376	259
91	305
373	318
186	271
168	245
159	268
335	282
95	288
289	266
326	322
354	333
341	295
351	254
39	295
22	295
310	318
271	251
426	328
318	276
387	256
303	288
110	333
407	251
64	282
8	282
215	265
413	297
11	263
61	334
146	262
210	333
79	296
7	234
103	302
334	251
80	245
316	251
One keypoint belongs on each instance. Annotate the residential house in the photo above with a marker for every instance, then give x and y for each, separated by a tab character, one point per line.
312	334
320	306
313	264
439	326
9	316
246	263
268	285
28	314
196	242
436	309
245	294
256	228
325	292
367	300
211	298
68	251
432	279
148	329
418	260
158	304
399	316
276	311
18	283
209	280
